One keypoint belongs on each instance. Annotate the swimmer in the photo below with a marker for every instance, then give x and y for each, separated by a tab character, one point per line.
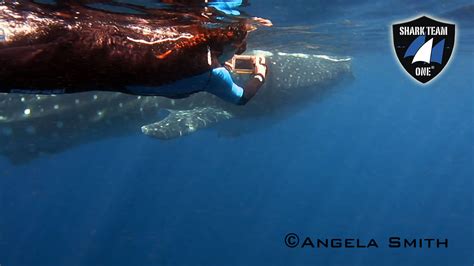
70	48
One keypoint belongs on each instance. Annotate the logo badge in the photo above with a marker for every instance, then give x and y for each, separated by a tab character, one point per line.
424	46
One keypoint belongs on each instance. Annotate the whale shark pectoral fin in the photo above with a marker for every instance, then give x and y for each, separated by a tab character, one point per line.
183	122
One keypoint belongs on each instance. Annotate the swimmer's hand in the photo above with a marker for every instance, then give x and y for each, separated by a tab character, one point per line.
259	64
261	68
263	21
255	83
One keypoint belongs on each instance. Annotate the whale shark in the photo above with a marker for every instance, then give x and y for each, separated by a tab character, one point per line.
35	125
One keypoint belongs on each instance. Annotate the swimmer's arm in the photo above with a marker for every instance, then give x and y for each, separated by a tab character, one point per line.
251	88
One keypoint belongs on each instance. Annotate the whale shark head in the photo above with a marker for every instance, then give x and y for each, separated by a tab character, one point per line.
296	77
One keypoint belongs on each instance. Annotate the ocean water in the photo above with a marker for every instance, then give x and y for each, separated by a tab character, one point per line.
379	156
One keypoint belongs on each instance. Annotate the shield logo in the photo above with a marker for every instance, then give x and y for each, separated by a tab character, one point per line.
423	46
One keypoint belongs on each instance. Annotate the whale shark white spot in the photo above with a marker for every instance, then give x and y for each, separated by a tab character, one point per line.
27	112
95	97
22	99
120	105
77	101
56	107
3	118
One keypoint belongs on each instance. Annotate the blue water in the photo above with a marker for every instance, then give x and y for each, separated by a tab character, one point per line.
378	157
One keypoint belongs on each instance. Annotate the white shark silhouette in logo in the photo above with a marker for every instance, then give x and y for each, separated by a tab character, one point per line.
424	53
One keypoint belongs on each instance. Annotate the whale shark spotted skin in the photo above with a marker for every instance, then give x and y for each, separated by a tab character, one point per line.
33	125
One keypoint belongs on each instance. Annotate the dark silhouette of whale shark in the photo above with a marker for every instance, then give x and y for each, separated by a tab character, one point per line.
31	125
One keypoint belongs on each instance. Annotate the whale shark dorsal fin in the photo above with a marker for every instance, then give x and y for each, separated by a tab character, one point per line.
184	122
